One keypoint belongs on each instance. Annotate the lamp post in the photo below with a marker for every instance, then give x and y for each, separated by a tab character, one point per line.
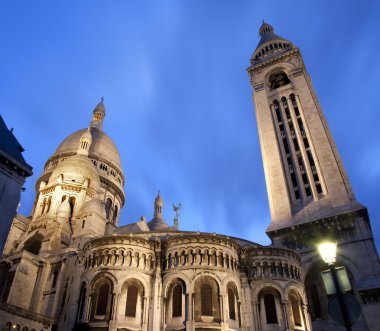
328	253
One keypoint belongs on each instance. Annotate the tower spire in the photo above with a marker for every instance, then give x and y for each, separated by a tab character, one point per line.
98	115
158	204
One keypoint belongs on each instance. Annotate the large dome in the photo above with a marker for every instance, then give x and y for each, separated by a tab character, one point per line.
102	147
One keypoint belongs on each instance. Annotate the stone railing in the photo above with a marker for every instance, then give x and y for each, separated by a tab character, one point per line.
120	251
268	262
200	251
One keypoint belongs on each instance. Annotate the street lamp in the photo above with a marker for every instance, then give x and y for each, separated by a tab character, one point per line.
327	250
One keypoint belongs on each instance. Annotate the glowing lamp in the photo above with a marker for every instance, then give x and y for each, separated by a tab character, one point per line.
328	252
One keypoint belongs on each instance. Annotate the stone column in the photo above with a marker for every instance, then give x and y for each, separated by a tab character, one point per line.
87	314
305	317
113	320
224	322
145	317
285	311
257	316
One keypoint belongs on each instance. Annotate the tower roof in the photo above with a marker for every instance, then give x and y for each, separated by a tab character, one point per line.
267	34
157	222
270	45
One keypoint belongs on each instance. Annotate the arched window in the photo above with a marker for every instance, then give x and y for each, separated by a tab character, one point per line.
231	304
270	308
130	308
102	300
25	328
108	208
296	311
114	216
177	301
8	326
278	79
55	277
82	298
206	300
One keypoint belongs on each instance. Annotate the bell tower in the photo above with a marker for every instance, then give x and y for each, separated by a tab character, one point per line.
310	196
304	174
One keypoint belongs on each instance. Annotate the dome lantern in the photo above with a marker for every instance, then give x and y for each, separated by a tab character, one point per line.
98	115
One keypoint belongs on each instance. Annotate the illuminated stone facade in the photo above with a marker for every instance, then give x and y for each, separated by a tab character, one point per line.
71	267
310	197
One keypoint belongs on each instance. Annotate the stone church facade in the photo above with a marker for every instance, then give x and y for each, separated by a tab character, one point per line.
69	266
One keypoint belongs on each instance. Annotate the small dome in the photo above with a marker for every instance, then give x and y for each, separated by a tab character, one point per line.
76	169
157	223
93	206
102	147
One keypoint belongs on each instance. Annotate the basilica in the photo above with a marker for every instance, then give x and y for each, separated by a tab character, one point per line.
70	266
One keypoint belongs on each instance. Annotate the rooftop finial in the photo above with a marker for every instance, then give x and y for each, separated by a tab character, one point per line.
265	28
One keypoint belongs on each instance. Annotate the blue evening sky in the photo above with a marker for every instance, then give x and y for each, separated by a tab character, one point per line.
178	98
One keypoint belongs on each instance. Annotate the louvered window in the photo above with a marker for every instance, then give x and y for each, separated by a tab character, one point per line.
206	300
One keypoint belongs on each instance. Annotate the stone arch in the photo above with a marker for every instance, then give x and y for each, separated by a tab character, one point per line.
270	312
132	297
207	301
33	244
175	303
141	277
296	303
233	300
317	297
176	275
257	288
101	297
278	79
340	260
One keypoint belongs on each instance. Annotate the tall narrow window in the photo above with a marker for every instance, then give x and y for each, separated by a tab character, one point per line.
48	204
206	300
177	301
296	311
114	216
130	308
270	308
43	206
55	277
231	304
72	205
102	300
108	208
82	298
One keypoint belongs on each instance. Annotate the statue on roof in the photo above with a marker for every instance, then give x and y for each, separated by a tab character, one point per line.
176	210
